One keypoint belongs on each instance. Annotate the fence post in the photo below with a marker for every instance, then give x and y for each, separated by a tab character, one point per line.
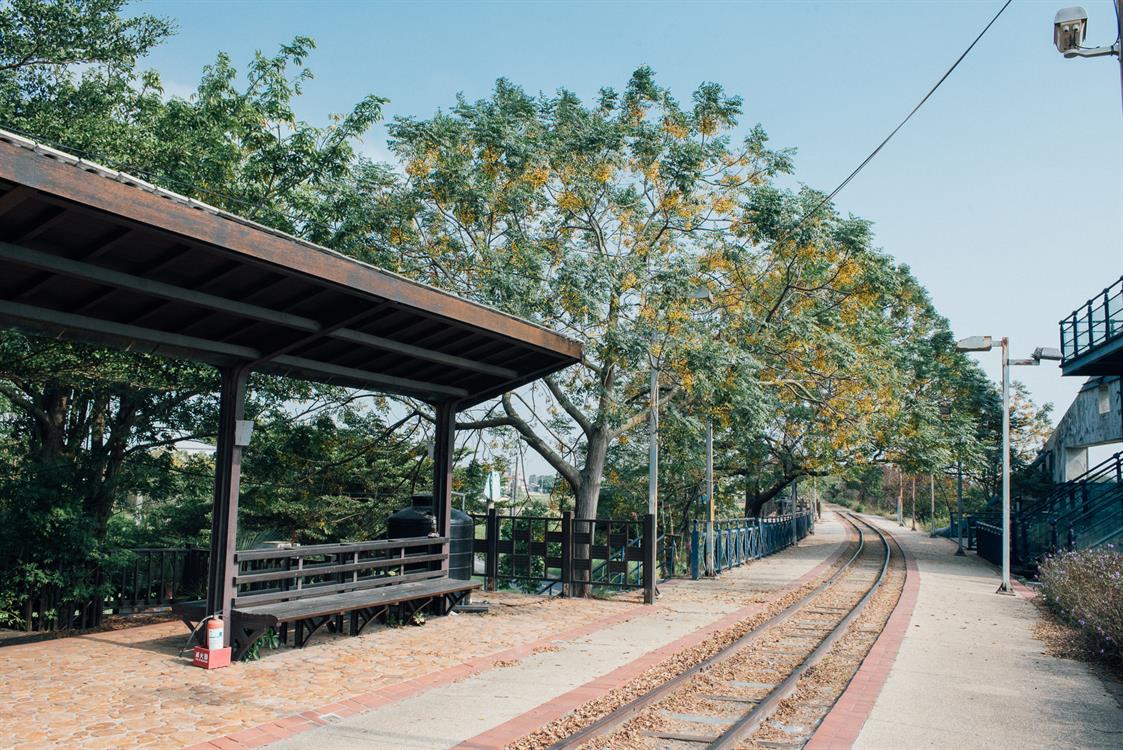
567	553
695	538
649	561
491	563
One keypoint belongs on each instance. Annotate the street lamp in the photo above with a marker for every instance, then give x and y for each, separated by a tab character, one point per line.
985	344
1070	25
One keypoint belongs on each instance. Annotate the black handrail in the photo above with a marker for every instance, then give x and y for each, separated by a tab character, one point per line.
1093	324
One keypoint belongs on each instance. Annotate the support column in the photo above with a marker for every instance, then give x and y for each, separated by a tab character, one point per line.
227	477
444	443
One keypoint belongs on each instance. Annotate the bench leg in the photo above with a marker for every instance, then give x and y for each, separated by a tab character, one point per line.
314	623
367	616
284	634
244	637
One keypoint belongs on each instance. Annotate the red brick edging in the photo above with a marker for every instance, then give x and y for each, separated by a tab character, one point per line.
504	734
844	723
288	726
285	727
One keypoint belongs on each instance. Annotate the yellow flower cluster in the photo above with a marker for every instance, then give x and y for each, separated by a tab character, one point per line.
568	201
675	129
538	177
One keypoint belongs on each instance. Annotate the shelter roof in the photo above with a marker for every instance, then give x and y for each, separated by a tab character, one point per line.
96	255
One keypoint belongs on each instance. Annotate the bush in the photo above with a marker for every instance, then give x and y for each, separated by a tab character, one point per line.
1086	589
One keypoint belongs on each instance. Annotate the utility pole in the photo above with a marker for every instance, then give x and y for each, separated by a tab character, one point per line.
710	497
932	497
653	482
959	507
913	512
900	497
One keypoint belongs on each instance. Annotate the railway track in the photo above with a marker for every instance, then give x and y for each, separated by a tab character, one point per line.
731	698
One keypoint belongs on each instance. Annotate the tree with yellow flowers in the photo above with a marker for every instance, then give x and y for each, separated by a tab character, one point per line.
594	219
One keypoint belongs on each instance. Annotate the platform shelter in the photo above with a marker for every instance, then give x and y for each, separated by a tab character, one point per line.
98	256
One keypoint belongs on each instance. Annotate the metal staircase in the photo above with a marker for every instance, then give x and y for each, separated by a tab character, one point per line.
1084	512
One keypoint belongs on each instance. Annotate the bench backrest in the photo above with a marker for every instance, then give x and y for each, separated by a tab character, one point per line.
275	575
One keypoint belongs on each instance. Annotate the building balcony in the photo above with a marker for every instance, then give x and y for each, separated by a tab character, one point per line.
1092	336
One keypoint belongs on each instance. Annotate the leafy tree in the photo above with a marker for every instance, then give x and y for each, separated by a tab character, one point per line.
94	420
590	219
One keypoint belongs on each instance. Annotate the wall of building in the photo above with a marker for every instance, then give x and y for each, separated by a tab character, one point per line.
1095	417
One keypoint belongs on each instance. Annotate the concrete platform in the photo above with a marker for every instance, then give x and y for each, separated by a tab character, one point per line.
966	671
492	708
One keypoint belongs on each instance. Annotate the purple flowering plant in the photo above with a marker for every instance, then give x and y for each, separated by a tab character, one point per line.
1086	589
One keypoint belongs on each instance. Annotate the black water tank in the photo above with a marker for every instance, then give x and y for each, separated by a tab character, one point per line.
461	537
418	520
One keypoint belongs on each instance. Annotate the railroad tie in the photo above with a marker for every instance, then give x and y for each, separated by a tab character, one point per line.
700	718
731	698
701	739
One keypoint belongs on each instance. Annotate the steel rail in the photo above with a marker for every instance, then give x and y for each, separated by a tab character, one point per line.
625	713
752	719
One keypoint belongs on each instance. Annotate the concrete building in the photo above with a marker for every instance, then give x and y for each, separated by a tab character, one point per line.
1094	419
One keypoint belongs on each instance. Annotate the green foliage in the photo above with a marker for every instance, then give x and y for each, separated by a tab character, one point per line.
270	640
83	429
645	227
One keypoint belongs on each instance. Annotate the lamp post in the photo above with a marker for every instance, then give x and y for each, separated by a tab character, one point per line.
985	344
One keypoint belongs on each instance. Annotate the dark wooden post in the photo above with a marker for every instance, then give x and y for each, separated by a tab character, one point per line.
567	553
491	563
444	440
649	558
227	475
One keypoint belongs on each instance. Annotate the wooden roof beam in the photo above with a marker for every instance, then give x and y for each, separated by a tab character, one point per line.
60	319
120	280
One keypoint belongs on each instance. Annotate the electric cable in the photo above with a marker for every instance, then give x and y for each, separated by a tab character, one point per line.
889	137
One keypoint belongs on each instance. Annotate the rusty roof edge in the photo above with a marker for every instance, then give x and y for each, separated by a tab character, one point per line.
133	181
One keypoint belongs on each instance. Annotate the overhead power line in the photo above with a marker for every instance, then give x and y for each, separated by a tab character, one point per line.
900	125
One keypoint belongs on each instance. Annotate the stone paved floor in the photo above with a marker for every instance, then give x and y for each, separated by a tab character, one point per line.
128	688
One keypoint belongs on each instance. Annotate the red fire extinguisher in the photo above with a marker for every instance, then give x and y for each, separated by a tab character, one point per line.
214	633
214	654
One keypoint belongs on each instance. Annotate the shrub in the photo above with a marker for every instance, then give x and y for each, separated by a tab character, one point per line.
1086	589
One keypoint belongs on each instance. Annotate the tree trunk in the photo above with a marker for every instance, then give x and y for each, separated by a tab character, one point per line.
587	491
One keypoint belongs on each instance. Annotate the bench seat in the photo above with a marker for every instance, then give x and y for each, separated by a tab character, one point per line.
310	612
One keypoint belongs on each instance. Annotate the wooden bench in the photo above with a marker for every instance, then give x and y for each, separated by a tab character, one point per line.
317	585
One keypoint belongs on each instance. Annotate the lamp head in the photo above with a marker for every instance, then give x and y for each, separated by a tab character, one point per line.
975	344
1046	352
1069	28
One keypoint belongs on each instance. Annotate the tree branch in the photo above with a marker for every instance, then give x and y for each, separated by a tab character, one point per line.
570	408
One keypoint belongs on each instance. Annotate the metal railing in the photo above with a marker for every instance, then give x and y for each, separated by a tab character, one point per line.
989	541
129	581
565	555
1044	526
737	541
156	577
1093	324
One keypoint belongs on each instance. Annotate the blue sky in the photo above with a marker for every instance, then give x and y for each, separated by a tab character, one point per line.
1004	193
